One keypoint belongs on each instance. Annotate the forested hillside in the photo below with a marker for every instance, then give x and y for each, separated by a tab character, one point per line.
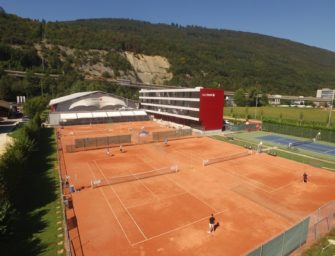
197	56
202	56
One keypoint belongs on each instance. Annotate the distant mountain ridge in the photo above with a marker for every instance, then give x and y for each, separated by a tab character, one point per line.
197	56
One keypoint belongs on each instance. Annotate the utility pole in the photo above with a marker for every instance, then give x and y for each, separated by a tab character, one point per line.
256	106
331	109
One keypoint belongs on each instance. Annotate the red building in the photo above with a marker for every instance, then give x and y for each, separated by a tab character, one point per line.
198	107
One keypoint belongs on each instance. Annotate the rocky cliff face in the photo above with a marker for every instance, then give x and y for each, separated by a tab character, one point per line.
150	69
97	64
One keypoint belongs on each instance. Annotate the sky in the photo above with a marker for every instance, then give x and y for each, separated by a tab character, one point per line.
310	22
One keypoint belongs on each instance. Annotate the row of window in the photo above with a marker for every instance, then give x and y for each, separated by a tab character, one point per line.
173	111
191	94
178	103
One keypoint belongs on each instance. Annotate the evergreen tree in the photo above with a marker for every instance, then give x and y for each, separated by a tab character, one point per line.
240	98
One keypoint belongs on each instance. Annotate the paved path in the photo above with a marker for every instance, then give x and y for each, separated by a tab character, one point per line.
5	127
4	139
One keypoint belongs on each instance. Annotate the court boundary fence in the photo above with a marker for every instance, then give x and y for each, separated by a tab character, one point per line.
90	143
66	231
243	127
161	136
299	131
301	235
70	248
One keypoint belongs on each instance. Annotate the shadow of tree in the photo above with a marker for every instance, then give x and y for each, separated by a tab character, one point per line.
38	190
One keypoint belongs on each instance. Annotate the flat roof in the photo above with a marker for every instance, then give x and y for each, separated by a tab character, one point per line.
196	89
99	114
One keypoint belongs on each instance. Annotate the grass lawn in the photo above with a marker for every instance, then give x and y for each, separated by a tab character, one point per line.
309	115
40	216
317	248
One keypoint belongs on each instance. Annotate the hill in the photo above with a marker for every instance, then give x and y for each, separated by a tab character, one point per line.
196	56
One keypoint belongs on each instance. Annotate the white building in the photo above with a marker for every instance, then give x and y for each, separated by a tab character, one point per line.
325	93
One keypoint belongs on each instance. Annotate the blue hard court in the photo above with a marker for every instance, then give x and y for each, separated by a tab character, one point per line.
315	147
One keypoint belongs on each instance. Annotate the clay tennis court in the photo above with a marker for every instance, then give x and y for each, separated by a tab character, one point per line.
252	198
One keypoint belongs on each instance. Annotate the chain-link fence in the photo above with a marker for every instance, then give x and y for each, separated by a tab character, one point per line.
97	142
301	235
73	245
299	131
160	136
243	127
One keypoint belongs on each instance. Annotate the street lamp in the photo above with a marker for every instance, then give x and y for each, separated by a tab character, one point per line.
331	108
256	106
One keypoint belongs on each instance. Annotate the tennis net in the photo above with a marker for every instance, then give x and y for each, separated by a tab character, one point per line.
226	158
134	176
298	143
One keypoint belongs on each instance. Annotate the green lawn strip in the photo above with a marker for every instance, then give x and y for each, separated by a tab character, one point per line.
53	210
35	231
285	113
317	247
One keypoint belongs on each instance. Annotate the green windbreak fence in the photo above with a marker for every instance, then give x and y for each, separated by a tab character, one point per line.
98	142
284	243
243	127
299	131
159	136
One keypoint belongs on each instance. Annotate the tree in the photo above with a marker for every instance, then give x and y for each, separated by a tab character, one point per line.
6	215
253	94
34	106
264	100
5	89
106	74
247	117
239	97
301	117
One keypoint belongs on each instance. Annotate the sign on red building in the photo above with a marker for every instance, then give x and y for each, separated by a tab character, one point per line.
211	108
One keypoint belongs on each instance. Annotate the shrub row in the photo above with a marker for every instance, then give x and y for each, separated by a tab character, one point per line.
14	166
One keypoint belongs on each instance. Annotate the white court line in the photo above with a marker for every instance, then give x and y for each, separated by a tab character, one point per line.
111	187
164	198
111	208
287	185
249	181
253	183
91	170
192	194
153	194
326	152
175	229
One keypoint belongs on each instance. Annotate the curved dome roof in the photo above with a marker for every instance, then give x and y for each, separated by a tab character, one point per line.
99	103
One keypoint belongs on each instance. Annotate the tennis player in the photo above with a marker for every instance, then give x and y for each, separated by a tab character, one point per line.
305	177
211	224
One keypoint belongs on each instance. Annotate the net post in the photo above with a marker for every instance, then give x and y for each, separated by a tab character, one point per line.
174	168
204	162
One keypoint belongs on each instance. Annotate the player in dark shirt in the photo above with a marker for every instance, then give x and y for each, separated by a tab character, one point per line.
305	177
211	224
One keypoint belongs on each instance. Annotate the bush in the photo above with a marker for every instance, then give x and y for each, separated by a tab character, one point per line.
14	166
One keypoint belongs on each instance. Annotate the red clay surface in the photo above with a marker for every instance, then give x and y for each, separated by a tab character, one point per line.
253	198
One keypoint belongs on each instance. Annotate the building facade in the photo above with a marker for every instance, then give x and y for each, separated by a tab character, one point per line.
325	93
87	101
93	108
198	107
